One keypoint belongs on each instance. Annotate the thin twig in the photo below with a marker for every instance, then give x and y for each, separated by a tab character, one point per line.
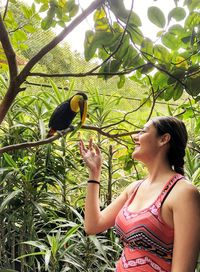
6	9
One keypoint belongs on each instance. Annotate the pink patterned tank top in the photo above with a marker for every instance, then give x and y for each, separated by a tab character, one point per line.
148	240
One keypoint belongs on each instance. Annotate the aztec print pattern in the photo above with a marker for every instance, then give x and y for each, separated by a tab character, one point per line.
147	239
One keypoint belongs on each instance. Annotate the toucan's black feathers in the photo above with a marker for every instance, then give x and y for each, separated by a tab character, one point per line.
63	116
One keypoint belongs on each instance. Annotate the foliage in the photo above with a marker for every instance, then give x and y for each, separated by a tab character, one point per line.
43	188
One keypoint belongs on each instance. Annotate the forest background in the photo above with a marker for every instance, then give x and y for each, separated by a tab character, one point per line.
128	79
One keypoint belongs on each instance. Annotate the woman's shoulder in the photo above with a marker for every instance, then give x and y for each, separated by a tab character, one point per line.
183	191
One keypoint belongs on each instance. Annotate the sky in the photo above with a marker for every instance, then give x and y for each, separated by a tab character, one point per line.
76	37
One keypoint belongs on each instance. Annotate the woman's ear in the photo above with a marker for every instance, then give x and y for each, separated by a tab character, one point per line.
165	138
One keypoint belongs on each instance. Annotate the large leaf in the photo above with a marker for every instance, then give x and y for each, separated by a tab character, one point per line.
122	50
89	46
130	57
177	13
159	80
178	73
136	34
193	85
156	16
147	47
170	41
192	20
161	53
178	91
10	160
9	197
101	21
194	4
134	19
121	82
20	35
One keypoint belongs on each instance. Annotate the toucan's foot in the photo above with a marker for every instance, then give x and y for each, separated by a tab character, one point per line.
60	132
65	131
72	127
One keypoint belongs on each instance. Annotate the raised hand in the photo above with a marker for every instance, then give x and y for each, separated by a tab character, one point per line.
92	158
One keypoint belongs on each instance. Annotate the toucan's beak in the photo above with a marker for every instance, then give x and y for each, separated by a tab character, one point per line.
83	110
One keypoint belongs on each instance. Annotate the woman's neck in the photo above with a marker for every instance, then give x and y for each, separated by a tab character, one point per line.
159	170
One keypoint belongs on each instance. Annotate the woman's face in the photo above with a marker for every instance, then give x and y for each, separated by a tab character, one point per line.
147	143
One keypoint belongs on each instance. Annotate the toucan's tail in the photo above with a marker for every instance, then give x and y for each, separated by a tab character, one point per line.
51	132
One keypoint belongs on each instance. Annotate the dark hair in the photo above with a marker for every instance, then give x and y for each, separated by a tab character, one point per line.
176	128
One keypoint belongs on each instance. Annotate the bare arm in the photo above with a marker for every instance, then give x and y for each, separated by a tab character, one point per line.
186	214
95	220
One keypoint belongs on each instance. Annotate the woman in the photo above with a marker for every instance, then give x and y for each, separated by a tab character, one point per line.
158	218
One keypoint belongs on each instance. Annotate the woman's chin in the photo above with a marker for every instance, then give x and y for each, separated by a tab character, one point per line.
135	155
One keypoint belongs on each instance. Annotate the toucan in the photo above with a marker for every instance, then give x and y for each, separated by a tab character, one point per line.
64	114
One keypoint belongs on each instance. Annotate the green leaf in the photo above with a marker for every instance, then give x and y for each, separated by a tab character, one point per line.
46	23
156	16
130	56
9	197
98	245
29	28
136	35
121	81
147	68
118	8
122	50
160	52
68	235
159	80
57	92
134	19
192	20
44	7
170	41
27	12
178	91
177	13
99	14
178	73
47	259
27	255
89	46
103	38
193	85
41	210
114	66
169	93
10	161
147	47
20	35
37	244
194	4
7	270
74	11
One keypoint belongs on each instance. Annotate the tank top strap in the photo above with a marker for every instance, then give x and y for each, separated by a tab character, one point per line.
168	187
133	193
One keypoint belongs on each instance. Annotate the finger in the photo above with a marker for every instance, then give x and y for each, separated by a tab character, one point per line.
98	152
82	147
90	143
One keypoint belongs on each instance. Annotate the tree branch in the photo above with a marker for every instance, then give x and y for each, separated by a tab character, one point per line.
127	71
60	134
25	72
6	9
44	85
9	52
